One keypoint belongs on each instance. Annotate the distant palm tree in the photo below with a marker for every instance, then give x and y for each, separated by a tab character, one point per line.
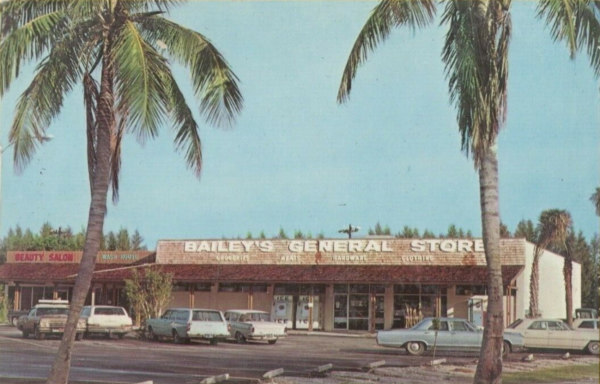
552	228
123	43
595	199
475	55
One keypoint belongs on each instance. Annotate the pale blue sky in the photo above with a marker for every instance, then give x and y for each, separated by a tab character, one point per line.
298	160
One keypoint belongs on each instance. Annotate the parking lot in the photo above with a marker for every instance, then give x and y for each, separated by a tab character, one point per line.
132	360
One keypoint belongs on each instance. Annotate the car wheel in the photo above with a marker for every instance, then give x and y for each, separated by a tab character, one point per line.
415	348
176	338
121	335
14	321
240	338
37	334
593	347
78	336
214	341
151	335
272	341
506	349
25	334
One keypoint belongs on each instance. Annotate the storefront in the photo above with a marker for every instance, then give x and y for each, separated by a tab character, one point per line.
329	284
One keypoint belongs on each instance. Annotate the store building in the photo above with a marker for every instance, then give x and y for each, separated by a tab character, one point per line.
327	284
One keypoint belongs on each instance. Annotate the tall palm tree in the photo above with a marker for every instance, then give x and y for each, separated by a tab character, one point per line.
552	228
124	43
475	55
595	199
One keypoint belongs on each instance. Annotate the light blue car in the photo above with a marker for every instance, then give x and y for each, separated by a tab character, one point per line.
454	334
185	324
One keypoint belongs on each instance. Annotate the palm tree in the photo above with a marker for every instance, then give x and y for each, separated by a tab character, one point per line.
595	199
123	42
553	227
475	55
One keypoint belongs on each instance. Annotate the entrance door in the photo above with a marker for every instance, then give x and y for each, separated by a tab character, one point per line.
340	311
358	312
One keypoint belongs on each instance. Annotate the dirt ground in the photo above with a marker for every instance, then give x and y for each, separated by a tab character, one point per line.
434	374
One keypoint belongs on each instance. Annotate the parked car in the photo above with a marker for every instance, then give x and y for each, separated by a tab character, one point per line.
106	320
454	334
185	324
590	325
586	313
555	334
48	317
248	324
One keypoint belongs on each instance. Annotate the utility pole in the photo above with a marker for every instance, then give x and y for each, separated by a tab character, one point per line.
349	230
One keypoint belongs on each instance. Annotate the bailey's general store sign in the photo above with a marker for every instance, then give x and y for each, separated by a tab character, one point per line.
334	251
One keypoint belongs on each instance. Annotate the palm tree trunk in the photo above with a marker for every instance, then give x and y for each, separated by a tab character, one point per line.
59	373
534	284
568	275
489	368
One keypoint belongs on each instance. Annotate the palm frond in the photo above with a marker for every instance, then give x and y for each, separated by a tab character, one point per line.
213	80
588	31
475	56
148	5
42	100
187	137
115	156
385	16
31	40
16	13
90	98
561	16
139	86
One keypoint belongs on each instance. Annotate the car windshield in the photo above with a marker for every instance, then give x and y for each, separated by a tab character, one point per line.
255	316
52	311
206	316
515	323
109	311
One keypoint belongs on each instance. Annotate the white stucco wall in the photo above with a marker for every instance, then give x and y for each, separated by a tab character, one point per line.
552	286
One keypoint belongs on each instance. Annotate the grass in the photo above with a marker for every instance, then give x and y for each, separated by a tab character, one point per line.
553	375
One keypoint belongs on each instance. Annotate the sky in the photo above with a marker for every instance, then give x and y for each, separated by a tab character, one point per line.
296	159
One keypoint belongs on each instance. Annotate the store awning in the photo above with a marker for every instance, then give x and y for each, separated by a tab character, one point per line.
39	273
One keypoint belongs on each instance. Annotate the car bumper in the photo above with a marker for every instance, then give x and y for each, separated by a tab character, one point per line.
109	330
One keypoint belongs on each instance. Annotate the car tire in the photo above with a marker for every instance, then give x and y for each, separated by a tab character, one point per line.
151	335
415	348
593	347
240	338
506	348
272	341
25	334
120	336
78	336
38	335
214	341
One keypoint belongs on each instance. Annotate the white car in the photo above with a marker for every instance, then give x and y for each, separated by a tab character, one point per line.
556	334
106	320
184	324
589	325
248	324
48	318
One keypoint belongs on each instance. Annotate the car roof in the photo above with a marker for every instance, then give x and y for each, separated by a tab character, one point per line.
191	309
245	311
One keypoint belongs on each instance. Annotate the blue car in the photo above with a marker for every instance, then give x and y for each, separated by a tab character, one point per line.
454	334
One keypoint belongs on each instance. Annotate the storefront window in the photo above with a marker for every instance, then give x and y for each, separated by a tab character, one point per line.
470	290
340	288
413	302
